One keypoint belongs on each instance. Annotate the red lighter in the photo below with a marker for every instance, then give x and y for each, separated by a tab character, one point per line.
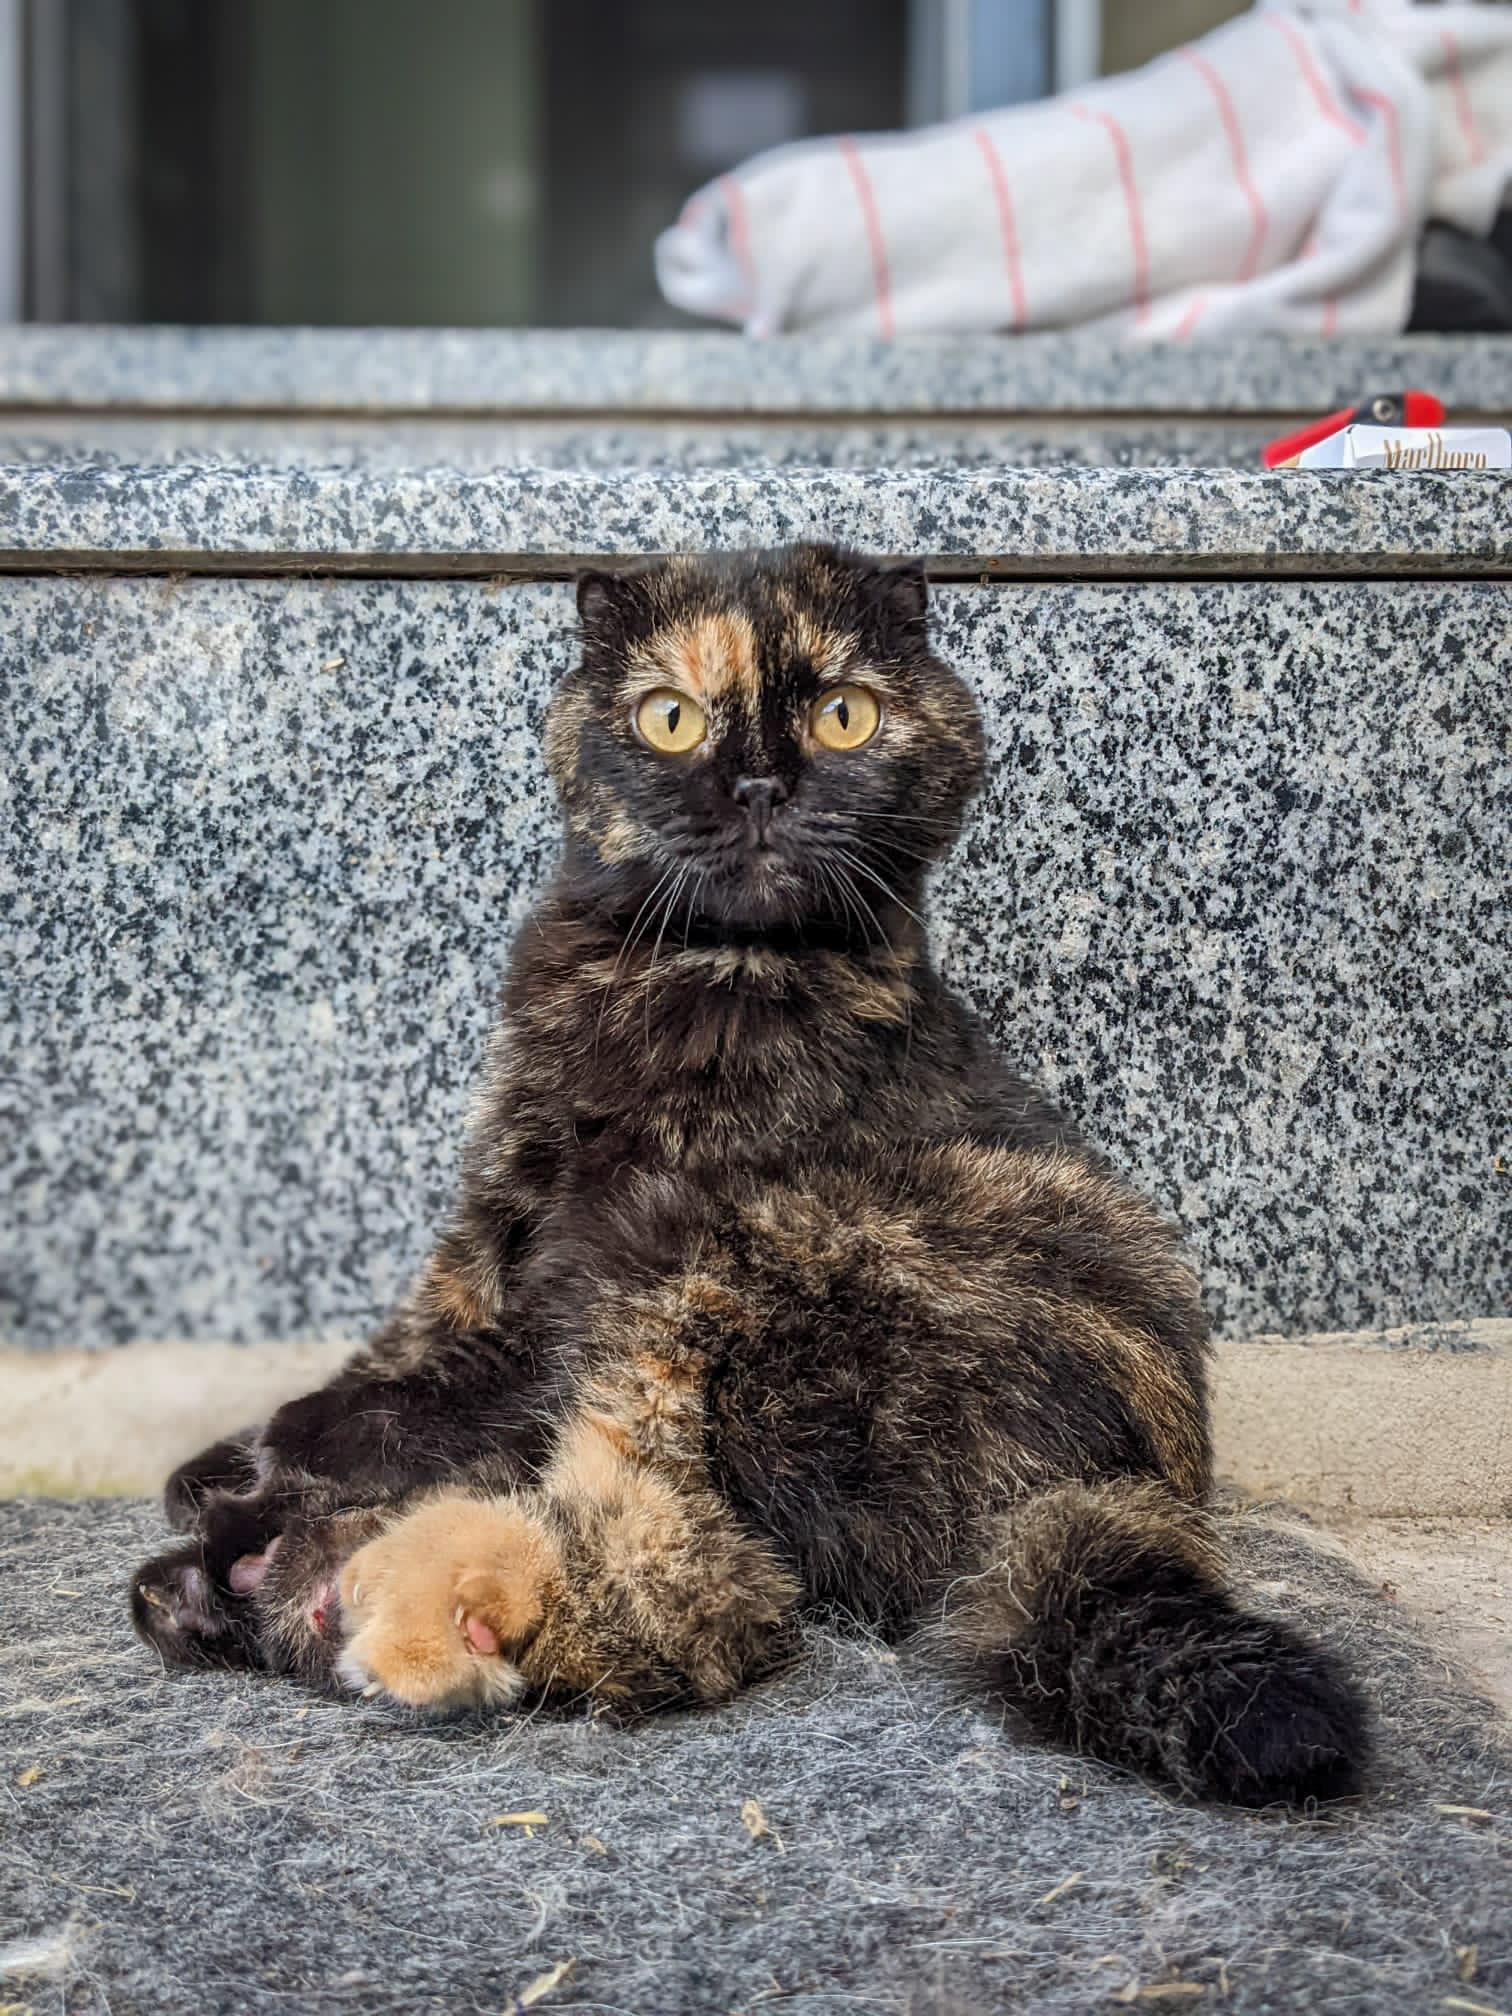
1386	409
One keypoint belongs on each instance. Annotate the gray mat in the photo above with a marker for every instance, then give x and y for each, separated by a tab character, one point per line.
218	1843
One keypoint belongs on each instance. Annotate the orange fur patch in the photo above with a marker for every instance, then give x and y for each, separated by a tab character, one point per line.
709	656
830	652
454	1299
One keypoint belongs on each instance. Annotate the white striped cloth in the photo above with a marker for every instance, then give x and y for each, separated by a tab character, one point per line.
1274	175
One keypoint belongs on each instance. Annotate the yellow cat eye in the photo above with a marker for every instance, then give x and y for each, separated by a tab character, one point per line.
845	717
670	722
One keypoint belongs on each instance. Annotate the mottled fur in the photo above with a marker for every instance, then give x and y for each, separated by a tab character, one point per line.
768	1286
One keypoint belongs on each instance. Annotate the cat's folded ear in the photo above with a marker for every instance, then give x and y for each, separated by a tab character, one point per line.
608	604
899	597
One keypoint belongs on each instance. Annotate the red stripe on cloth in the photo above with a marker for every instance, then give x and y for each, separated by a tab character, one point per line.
1328	105
1388	112
1004	203
1259	222
1183	330
1125	160
740	236
873	224
1475	145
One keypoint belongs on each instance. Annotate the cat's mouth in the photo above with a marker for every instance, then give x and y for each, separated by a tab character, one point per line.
755	882
766	867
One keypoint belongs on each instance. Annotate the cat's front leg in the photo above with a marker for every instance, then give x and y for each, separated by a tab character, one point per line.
624	1577
449	1385
474	1410
446	1385
226	1466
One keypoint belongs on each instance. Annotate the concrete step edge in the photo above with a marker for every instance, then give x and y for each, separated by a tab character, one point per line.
475	371
967	523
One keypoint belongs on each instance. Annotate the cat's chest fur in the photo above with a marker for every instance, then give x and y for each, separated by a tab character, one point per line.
703	1058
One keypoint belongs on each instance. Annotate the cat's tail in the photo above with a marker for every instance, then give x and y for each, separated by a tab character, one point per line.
1102	1617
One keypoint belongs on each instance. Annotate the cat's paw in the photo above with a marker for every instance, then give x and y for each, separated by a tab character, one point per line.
179	1610
442	1609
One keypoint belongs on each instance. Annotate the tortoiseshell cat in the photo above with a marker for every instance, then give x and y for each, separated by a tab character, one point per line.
768	1286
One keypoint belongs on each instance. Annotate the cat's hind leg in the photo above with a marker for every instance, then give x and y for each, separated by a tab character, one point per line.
188	1605
255	1587
1101	1614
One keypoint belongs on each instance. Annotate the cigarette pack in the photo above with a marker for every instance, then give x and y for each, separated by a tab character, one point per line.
1409	448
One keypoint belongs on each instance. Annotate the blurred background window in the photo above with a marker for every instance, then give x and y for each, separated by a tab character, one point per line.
458	162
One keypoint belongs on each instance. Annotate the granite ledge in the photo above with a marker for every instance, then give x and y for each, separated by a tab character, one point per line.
519	371
535	522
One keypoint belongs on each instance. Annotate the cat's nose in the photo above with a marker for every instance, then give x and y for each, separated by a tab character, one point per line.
760	797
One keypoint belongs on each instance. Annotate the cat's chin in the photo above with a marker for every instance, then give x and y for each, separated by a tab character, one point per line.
766	890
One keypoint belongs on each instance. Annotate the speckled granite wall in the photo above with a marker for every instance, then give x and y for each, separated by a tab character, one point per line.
1232	890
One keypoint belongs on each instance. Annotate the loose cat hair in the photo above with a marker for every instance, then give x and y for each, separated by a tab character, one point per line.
768	1287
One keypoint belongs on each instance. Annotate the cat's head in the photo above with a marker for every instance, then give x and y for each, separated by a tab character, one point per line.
771	727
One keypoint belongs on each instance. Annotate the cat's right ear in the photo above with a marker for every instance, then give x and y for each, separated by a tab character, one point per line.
595	591
607	603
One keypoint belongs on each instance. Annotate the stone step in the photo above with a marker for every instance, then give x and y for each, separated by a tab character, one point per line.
480	399
618	441
1234	889
970	525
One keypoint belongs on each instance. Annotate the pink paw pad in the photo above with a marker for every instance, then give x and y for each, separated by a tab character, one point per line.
250	1571
478	1634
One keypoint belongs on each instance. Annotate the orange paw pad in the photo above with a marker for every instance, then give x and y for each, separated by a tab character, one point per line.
437	1608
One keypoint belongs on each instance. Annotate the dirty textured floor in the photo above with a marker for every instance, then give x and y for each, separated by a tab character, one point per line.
217	1843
